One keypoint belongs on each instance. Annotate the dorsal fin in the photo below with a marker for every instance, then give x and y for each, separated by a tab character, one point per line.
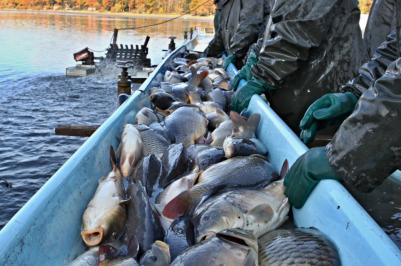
253	121
113	158
284	169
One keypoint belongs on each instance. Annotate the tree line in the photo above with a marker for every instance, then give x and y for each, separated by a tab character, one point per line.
133	6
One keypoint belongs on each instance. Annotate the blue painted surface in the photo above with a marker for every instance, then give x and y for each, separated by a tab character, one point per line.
46	231
330	208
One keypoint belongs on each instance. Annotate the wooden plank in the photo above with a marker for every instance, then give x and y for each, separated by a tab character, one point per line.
76	130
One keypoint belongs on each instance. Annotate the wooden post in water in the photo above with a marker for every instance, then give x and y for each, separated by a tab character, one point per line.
76	130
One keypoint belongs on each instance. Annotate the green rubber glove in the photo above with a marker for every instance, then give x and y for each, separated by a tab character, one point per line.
331	107
228	60
305	174
245	72
243	95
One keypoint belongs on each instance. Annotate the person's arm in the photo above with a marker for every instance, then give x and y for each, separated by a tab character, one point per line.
287	42
367	147
369	72
251	18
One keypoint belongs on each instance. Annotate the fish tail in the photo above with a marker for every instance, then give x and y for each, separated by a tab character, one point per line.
177	206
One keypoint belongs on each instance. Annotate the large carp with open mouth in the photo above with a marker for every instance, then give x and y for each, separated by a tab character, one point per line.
105	214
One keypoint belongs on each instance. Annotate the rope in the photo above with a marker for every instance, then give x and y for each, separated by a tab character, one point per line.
166	21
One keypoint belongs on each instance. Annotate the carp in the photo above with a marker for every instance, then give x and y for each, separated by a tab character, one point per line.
295	247
146	116
153	142
256	211
105	214
88	258
239	147
239	172
158	255
131	149
237	127
143	226
186	125
180	236
229	247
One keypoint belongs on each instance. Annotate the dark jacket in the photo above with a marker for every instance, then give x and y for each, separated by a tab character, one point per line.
367	146
311	47
237	26
382	19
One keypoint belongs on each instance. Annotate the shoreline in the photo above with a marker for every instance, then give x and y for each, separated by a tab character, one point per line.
107	14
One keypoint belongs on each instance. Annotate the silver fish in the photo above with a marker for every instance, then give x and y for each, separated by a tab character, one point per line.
205	155
219	96
223	131
239	172
237	127
162	100
230	247
256	211
194	127
173	77
105	214
297	247
143	226
197	78
158	255
153	142
120	262
180	236
239	147
131	149
146	116
88	258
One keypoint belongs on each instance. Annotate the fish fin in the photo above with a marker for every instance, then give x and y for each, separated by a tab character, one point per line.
113	158
124	202
284	169
208	139
236	117
253	121
133	246
177	206
239	123
158	208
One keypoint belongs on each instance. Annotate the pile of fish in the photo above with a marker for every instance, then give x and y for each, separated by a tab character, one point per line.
191	185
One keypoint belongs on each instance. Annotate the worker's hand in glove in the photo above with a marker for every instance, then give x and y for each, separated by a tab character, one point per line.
328	109
228	60
245	72
243	95
305	174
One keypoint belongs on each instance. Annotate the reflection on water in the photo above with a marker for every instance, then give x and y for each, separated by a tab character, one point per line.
35	96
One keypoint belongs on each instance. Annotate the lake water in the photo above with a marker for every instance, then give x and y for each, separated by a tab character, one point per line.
35	95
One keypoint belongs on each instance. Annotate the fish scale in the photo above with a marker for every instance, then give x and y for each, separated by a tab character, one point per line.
295	247
153	142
